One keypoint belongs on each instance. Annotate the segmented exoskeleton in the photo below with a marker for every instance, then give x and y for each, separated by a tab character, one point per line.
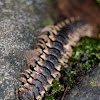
45	61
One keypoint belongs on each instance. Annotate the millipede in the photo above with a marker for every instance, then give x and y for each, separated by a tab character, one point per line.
52	49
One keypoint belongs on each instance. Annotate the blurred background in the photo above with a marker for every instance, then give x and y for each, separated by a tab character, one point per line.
87	9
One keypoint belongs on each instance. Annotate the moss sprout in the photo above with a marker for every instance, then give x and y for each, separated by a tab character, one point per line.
48	21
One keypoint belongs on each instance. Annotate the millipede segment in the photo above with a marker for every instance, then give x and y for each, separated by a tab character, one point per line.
44	62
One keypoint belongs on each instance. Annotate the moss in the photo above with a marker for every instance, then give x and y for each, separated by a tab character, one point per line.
31	8
86	52
93	81
48	21
1	79
23	6
55	87
99	64
95	78
16	84
31	26
49	98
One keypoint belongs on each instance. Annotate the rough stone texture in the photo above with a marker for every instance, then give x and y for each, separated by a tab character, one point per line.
88	89
20	21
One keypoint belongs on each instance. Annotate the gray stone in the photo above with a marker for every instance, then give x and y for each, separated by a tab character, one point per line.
88	89
20	22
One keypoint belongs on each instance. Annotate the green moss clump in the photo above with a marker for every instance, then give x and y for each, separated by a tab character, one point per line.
29	8
23	6
31	26
49	98
84	57
0	78
93	82
54	88
48	21
16	84
86	52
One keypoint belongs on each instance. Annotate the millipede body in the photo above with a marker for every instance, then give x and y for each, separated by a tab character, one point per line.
44	62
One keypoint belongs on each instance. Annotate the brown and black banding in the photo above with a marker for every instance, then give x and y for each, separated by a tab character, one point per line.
44	71
36	76
44	62
37	84
52	59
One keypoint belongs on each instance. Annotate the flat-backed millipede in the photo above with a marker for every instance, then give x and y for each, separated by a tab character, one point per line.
44	62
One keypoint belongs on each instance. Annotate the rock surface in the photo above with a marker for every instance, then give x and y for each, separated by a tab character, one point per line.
89	87
20	21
